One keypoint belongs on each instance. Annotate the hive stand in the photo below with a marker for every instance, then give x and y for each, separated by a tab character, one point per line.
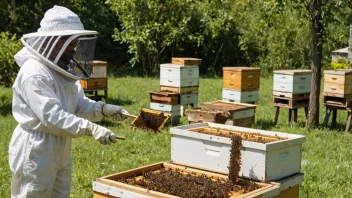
333	108
292	104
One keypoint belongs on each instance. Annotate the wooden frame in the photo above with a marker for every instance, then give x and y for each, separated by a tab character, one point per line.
165	97
181	90
271	188
226	106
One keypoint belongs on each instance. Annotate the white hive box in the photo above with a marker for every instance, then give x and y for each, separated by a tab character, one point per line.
292	81
174	109
189	99
239	96
179	76
99	69
260	161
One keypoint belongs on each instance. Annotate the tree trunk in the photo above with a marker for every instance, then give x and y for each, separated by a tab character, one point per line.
316	55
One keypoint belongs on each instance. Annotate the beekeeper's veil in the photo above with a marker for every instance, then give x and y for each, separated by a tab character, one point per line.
63	44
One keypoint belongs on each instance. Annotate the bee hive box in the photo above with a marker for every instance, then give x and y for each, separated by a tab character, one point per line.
291	82
186	61
241	78
132	183
99	69
266	155
241	114
174	75
338	82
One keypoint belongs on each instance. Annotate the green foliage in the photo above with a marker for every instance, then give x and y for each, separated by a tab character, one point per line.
273	34
149	27
9	46
340	64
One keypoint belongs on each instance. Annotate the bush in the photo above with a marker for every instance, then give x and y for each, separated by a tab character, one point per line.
340	64
9	46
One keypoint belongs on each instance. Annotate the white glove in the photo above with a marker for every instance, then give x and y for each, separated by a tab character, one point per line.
114	111
101	134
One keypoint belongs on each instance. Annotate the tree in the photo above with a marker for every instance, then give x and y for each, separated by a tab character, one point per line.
319	13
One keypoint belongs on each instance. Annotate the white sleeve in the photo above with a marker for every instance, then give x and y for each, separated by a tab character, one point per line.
41	98
87	108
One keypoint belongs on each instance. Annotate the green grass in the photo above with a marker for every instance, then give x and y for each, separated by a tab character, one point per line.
326	157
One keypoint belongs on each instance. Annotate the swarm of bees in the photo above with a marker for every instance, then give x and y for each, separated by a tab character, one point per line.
180	184
150	121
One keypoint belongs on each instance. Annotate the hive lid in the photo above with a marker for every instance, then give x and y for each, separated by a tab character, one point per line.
226	106
172	65
339	72
241	68
184	61
99	63
164	92
293	72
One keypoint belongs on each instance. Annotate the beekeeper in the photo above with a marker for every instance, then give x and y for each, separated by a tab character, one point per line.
50	106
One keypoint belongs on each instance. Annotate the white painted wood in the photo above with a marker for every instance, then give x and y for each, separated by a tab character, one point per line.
285	94
99	72
293	88
177	72
291	181
174	109
238	96
179	76
258	160
293	79
116	192
189	99
179	83
243	114
174	119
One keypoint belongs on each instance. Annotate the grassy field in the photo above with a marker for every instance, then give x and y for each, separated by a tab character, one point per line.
326	159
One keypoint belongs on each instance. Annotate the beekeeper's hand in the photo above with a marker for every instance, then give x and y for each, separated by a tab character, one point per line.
115	112
101	134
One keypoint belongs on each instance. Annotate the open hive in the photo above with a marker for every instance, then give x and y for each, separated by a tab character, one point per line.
170	180
252	137
266	155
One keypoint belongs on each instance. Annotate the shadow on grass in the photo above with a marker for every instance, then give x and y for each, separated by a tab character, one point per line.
120	102
264	124
336	126
5	109
107	122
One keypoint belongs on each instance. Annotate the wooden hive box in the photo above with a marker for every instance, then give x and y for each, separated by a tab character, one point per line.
165	97
241	114
338	83
265	155
186	61
241	78
95	83
288	83
181	90
110	186
200	116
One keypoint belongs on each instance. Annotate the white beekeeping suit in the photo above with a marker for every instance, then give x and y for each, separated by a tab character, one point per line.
50	106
